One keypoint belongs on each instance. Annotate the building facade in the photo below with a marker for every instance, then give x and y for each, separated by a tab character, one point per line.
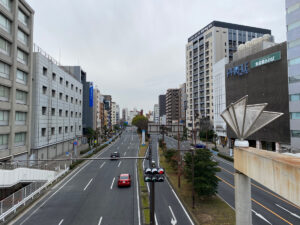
113	113
206	47
172	106
263	77
16	33
156	114
162	105
183	103
293	54
56	109
108	110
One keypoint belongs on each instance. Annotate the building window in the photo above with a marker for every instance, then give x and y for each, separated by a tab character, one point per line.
76	101
21	97
45	71
67	113
76	115
44	110
79	128
295	97
5	24
22	57
4	70
66	130
60	130
21	77
71	128
53	93
67	83
53	111
3	118
294	61
23	18
295	133
60	80
295	115
43	132
294	43
3	141
67	98
72	114
52	130
6	4
20	139
72	86
76	89
21	118
71	99
293	8
4	46
44	90
293	25
294	79
60	96
79	91
4	93
22	37
79	115
54	76
60	112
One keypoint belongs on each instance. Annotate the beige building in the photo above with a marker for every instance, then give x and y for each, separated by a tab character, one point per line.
16	28
206	47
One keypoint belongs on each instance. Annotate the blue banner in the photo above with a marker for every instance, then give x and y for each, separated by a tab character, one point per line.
91	96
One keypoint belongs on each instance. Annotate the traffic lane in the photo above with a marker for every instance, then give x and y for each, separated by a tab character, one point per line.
263	204
269	195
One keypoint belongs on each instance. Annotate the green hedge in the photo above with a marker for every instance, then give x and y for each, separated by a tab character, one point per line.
226	157
215	149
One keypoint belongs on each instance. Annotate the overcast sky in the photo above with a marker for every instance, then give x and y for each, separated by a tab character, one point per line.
134	50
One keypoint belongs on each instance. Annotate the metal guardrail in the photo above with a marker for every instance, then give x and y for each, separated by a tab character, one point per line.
19	198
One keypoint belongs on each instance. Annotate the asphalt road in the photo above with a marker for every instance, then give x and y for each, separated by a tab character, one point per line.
267	207
168	207
90	195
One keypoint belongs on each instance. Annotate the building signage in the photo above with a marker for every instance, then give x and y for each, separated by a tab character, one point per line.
91	95
239	70
266	59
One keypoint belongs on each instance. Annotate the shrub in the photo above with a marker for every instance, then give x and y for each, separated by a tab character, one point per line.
226	157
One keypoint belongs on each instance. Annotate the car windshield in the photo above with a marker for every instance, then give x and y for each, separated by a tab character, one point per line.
123	177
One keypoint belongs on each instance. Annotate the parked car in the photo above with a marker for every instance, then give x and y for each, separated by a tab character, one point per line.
124	180
200	146
114	155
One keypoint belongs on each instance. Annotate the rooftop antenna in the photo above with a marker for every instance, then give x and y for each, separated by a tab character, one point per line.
245	119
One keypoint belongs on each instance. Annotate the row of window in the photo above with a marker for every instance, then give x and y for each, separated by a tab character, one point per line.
21	76
44	89
293	8
60	130
22	17
20	140
20	118
60	112
5	47
21	96
294	61
45	72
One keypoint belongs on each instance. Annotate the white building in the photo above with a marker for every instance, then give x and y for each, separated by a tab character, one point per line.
117	114
113	113
156	113
56	109
219	100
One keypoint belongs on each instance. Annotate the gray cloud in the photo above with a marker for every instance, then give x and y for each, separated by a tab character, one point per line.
135	49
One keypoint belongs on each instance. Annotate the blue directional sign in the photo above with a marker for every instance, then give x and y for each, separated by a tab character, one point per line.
91	95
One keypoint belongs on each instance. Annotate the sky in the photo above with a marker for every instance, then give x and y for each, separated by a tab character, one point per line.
134	50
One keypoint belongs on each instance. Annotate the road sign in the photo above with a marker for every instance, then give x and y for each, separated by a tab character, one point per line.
75	142
67	153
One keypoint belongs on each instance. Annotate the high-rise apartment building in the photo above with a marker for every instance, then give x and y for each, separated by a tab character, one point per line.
162	105
113	113
56	108
108	107
183	103
16	29
293	55
206	47
156	113
172	105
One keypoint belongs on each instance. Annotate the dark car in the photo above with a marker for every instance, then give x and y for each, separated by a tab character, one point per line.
200	146
124	180
115	155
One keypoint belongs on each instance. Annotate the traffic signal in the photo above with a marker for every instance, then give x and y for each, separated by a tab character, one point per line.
154	175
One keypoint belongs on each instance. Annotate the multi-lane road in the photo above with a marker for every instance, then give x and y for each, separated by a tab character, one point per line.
267	207
90	195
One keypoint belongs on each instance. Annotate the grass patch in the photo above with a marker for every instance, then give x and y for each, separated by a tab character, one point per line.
211	211
143	188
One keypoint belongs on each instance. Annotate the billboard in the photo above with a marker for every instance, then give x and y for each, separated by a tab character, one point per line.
91	95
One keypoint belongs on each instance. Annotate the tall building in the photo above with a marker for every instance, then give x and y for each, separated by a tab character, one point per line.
162	105
16	33
113	113
117	114
206	47
56	108
108	107
293	56
156	113
125	114
96	109
183	103
172	105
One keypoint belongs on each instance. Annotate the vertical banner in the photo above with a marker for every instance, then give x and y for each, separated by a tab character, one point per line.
91	95
143	137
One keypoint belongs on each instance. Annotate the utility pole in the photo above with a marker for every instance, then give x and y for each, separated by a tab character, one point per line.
152	188
178	138
193	178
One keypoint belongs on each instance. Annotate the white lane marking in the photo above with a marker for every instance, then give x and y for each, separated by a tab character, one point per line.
87	184
173	220
61	222
137	193
102	165
260	216
293	214
112	183
100	220
124	153
156	223
119	164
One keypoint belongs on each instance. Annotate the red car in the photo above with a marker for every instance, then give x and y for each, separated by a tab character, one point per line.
124	180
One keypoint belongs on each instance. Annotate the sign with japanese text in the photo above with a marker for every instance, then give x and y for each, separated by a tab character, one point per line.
266	59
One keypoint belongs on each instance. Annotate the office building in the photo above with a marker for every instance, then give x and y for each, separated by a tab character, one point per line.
206	47
293	56
56	108
16	33
108	108
172	106
96	110
262	75
113	113
125	114
183	103
156	114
